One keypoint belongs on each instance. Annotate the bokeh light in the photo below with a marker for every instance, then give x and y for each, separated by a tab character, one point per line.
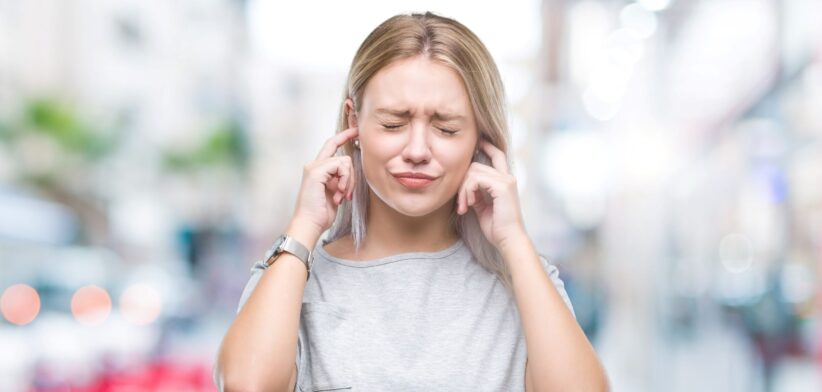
735	252
91	305
655	5
20	304
140	304
639	19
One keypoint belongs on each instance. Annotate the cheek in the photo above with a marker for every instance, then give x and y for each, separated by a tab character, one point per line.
456	165
380	145
374	159
455	158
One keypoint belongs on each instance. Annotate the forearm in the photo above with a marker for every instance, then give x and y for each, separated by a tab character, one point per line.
560	358
259	348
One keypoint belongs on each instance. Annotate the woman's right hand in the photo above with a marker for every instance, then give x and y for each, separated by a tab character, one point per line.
326	181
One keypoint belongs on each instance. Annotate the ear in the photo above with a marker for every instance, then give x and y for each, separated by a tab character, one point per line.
350	113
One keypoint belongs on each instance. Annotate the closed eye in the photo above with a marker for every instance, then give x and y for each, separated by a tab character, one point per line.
391	126
446	131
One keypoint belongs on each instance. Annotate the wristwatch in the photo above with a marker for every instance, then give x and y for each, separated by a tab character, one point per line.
286	243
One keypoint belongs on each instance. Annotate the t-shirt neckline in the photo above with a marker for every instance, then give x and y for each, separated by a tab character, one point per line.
320	251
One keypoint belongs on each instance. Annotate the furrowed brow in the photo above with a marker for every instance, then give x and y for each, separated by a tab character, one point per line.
407	114
447	116
394	112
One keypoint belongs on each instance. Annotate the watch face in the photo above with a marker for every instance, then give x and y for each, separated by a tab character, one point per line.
274	251
278	242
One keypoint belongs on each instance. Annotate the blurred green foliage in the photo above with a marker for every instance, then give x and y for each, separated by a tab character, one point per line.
82	145
61	123
225	146
5	131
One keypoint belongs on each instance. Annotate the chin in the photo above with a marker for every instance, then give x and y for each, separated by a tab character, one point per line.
413	210
411	204
417	206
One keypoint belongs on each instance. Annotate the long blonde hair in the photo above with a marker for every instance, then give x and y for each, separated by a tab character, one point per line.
449	42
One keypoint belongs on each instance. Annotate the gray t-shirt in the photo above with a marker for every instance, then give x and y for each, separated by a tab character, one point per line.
421	321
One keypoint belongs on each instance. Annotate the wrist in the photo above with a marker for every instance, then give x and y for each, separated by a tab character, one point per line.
304	233
515	243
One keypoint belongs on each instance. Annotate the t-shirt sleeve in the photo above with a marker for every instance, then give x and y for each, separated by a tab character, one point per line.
256	273
553	273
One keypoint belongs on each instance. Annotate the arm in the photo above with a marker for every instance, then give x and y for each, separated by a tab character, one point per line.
560	358
258	351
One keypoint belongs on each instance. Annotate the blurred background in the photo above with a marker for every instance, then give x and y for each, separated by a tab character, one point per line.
669	154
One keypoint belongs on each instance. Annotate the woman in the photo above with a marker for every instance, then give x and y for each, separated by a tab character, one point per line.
427	280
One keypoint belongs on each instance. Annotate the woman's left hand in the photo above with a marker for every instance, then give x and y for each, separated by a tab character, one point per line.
499	215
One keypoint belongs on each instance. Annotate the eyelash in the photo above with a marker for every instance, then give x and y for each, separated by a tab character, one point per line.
444	130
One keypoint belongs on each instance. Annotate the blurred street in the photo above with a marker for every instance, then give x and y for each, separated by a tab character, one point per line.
668	153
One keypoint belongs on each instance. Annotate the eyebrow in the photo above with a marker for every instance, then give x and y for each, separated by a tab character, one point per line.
407	114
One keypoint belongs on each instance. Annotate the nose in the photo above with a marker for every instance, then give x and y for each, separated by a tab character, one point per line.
416	148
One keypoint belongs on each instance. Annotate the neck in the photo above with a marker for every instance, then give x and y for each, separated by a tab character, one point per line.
390	232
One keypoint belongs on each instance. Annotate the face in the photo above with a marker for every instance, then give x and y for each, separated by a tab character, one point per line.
415	117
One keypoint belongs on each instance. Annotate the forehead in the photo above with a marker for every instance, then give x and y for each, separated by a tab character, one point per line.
417	85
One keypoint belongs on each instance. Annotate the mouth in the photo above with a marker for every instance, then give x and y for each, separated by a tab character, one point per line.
414	180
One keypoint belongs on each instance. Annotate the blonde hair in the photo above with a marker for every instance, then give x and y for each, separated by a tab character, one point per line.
449	42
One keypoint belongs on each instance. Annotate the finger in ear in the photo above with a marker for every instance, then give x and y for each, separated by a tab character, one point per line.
350	112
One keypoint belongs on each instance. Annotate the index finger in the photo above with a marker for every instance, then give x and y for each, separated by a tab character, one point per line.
332	144
497	156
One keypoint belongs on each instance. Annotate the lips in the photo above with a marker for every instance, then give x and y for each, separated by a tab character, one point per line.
414	175
414	180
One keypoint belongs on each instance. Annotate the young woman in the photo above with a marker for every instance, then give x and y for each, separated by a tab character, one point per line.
427	280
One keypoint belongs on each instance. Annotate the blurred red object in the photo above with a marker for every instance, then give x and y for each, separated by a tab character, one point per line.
157	376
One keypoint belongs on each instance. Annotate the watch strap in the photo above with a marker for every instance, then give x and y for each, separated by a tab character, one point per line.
286	243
